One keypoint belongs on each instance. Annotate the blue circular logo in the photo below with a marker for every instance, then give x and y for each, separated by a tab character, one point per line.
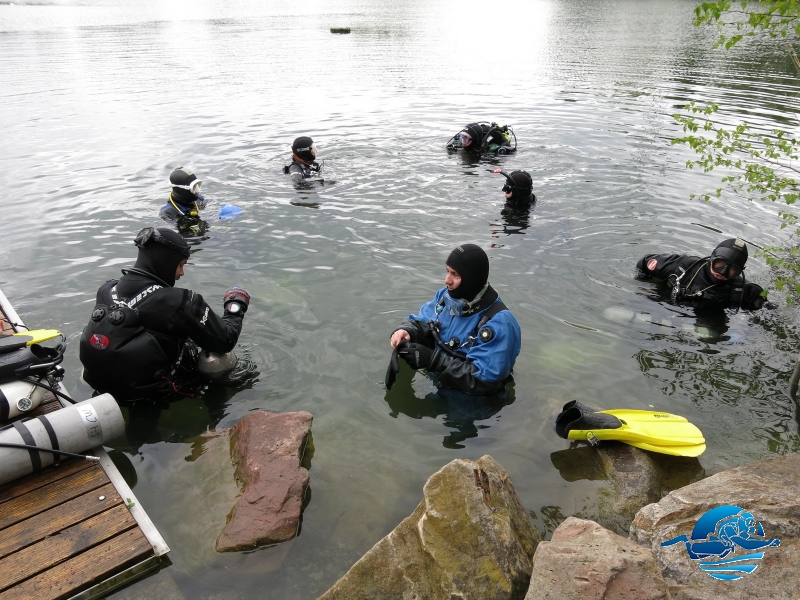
723	542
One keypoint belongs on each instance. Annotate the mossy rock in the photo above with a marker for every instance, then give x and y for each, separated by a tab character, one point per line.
470	537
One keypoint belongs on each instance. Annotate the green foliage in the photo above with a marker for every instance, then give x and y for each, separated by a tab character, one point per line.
758	166
777	18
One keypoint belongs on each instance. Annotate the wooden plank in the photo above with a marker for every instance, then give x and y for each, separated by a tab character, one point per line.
46	476
42	499
70	542
71	576
44	524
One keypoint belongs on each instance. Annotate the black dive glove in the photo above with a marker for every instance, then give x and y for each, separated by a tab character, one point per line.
416	355
236	301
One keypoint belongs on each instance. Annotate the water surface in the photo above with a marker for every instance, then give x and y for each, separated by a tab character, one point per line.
99	101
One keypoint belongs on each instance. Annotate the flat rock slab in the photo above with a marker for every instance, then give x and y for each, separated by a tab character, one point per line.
470	537
266	450
585	561
769	490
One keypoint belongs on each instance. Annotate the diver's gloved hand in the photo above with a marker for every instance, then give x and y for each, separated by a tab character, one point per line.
236	296
416	355
753	296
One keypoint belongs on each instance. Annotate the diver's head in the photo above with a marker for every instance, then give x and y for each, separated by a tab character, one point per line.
467	272
304	149
728	259
471	136
519	186
185	186
162	252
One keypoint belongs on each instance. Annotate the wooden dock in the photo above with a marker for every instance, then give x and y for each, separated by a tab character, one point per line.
73	531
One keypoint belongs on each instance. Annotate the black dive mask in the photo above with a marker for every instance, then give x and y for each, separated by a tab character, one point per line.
724	268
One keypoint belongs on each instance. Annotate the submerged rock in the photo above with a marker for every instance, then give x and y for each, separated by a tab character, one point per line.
769	490
584	561
266	449
637	477
470	537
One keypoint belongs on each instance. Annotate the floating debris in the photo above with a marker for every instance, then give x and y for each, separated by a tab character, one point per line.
340	30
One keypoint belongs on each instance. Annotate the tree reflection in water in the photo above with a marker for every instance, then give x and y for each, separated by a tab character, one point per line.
747	394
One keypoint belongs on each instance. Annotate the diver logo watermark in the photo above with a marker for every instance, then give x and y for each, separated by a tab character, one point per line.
718	538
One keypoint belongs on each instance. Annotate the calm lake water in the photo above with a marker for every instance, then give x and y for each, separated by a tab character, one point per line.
99	101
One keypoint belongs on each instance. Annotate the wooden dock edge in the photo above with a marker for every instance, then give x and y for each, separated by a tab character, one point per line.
145	524
149	530
123	578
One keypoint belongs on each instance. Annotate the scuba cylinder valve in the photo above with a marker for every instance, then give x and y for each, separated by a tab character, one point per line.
17	397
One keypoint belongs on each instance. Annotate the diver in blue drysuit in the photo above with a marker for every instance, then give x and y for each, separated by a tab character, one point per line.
465	336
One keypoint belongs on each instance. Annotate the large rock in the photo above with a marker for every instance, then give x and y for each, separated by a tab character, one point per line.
584	561
770	490
470	537
266	449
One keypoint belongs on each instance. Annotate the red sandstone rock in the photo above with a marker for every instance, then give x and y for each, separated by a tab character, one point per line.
584	561
266	450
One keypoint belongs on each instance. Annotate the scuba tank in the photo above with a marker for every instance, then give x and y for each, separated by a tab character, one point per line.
76	428
214	365
17	397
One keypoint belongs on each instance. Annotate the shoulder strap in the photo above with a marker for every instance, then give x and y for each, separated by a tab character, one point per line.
495	308
138	298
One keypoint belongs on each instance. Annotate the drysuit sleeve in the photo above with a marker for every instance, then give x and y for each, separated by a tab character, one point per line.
206	328
417	325
461	373
658	266
418	330
752	298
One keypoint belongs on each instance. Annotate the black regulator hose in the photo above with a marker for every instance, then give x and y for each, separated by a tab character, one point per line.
50	450
48	388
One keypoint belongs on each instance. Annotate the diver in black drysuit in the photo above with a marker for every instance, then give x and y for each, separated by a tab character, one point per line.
304	168
708	283
520	198
158	357
185	202
185	199
482	138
